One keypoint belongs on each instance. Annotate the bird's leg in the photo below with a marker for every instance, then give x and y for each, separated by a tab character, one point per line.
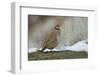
51	51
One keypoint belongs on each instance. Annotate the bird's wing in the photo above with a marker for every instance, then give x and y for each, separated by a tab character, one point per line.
49	38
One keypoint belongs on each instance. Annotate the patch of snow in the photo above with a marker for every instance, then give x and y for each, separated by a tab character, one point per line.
79	46
55	49
48	50
32	50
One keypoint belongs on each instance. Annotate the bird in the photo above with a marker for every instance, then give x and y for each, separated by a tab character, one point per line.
52	38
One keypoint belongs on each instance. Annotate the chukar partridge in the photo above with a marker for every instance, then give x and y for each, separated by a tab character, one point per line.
52	39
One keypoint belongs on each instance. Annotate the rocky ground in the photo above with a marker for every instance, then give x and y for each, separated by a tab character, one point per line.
57	55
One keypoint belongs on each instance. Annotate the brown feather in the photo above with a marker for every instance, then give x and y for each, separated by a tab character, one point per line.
51	40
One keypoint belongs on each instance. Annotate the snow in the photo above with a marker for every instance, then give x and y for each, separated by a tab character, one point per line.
32	50
79	46
48	49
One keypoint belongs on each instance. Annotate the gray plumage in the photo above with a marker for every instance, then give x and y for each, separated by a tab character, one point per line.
52	38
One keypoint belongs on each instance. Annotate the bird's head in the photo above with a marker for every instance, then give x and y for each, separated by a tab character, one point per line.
57	27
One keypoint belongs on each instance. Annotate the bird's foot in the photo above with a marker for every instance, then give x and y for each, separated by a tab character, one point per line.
50	51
